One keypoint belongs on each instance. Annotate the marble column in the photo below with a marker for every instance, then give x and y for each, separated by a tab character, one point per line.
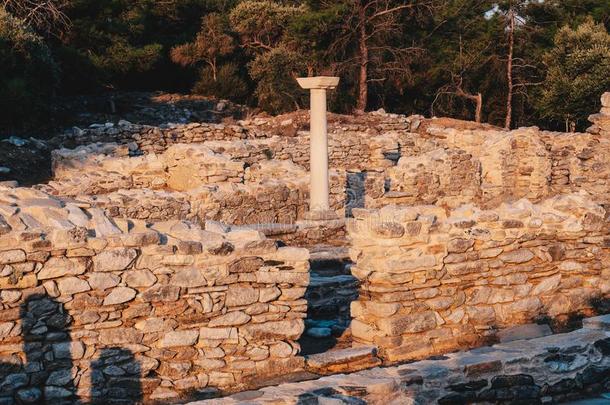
319	204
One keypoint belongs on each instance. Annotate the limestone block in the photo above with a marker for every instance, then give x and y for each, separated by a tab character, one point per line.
234	318
288	329
72	285
120	295
139	278
60	266
189	277
404	324
12	256
114	260
179	338
102	281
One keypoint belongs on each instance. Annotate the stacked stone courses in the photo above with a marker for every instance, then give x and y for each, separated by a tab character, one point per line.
190	308
433	282
163	263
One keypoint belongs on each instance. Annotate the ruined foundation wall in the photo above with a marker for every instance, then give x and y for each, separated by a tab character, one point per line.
491	166
350	147
433	282
187	182
110	310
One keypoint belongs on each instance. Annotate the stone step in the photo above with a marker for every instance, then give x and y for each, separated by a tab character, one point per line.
329	260
521	332
331	270
598	323
319	281
343	360
331	294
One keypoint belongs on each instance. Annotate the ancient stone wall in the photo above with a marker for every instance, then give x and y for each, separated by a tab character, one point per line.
553	369
448	177
433	282
601	121
93	308
187	182
350	146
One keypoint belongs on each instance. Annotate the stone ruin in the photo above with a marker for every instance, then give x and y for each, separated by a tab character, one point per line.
179	262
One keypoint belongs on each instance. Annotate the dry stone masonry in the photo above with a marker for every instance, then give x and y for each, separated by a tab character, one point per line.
165	263
95	309
547	370
433	282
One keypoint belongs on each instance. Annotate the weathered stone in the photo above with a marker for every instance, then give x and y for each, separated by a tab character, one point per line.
72	285
161	293
152	325
246	265
12	256
119	295
522	332
234	318
114	260
189	277
120	336
103	281
139	278
272	293
179	338
60	266
517	256
23	282
60	377
289	329
69	350
56	393
388	230
218	333
29	395
241	296
401	324
547	285
459	245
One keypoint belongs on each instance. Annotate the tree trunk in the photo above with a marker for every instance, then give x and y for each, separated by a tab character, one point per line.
363	91
477	99
479	110
509	69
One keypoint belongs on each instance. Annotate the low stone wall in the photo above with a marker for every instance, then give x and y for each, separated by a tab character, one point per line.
433	282
452	165
447	177
111	311
548	370
187	182
601	121
372	144
152	139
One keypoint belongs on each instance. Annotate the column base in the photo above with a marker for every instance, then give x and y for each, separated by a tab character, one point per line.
326	215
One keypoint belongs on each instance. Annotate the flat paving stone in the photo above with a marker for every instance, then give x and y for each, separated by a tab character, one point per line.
342	356
598	322
521	332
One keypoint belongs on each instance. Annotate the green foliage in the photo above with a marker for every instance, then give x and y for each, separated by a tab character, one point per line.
578	73
261	25
275	73
227	83
211	43
28	74
122	58
252	50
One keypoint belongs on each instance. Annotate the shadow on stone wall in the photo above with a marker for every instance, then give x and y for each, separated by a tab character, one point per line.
49	375
355	192
115	377
329	295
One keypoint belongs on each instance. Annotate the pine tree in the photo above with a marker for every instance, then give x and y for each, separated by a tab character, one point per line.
578	73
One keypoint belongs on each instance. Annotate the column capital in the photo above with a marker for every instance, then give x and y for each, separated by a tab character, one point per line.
318	82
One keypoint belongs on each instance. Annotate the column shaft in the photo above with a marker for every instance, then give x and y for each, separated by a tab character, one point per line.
319	152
